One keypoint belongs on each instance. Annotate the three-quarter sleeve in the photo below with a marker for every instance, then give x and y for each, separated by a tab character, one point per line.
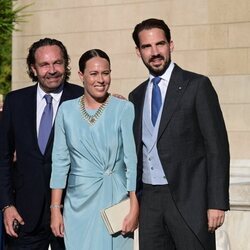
130	157
60	153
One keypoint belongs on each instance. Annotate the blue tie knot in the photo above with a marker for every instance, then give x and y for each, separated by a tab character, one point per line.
156	80
48	99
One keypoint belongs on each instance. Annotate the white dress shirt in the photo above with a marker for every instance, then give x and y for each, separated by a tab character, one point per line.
41	103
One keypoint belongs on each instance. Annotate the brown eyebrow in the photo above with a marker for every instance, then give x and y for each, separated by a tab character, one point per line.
145	45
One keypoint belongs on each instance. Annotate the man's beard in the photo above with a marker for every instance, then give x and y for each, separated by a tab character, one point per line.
158	71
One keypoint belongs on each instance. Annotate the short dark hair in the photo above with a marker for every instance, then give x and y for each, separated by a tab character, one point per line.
46	42
150	24
90	54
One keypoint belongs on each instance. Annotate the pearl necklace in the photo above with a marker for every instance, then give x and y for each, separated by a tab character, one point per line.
91	119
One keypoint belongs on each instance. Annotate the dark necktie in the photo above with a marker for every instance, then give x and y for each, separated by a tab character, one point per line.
45	124
156	99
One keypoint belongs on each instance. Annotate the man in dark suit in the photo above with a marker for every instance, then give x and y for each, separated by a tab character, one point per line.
1	216
183	151
25	192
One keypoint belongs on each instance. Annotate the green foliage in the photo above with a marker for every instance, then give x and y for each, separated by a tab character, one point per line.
9	16
5	64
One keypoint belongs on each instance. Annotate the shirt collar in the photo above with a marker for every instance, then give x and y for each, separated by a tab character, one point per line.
166	75
55	95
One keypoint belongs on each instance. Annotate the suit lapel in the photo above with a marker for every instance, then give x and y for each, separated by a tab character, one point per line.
29	110
66	94
139	102
174	93
32	107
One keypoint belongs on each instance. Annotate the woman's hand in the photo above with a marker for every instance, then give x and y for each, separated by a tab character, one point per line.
130	222
56	223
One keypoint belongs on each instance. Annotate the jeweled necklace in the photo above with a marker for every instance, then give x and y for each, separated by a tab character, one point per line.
91	119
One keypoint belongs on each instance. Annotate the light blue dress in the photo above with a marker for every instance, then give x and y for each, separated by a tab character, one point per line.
97	165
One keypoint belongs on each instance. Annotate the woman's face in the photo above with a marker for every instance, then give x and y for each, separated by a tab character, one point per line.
96	78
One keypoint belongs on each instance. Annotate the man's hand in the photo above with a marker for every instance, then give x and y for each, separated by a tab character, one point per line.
119	96
215	219
9	215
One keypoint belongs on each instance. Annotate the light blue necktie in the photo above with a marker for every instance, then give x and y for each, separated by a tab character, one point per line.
45	124
156	99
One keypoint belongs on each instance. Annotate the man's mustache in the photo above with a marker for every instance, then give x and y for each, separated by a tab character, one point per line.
156	57
54	75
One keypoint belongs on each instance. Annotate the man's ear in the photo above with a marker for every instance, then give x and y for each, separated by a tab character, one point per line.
137	50
171	45
33	69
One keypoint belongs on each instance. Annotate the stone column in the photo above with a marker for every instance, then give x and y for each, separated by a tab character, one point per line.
235	233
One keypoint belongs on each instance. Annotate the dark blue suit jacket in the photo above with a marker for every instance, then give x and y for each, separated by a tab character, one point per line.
26	185
1	232
1	218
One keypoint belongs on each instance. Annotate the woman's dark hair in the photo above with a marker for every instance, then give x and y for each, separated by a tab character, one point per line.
90	54
47	42
150	24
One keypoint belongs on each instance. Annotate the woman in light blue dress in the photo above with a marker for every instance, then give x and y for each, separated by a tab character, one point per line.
94	159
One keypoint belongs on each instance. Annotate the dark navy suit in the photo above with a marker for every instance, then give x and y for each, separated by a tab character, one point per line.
27	184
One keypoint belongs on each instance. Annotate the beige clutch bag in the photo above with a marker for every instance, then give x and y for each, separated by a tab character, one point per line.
113	216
